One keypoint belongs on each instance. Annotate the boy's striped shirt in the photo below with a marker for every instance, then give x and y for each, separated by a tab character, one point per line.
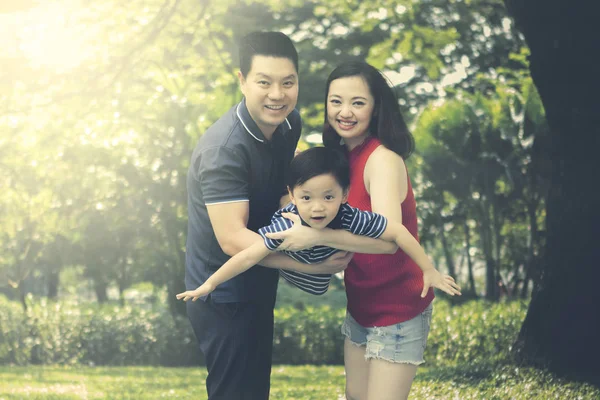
351	219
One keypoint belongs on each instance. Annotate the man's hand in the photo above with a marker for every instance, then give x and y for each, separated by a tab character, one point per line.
335	263
433	278
298	237
200	291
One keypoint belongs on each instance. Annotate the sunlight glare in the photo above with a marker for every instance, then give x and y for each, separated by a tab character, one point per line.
44	36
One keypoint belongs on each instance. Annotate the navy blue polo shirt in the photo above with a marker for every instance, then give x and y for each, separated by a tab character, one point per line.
234	162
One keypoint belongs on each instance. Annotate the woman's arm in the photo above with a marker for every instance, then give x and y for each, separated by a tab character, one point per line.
431	276
387	192
398	234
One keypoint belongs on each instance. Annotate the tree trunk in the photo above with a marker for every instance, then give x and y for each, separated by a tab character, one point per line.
485	233
123	278
53	280
469	259
447	252
22	296
501	287
100	290
562	326
121	294
525	288
530	262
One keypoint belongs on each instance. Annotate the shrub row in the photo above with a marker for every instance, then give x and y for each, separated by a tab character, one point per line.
67	333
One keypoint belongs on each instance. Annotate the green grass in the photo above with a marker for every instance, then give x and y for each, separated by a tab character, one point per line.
490	382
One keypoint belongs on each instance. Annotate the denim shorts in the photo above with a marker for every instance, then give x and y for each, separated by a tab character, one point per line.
400	343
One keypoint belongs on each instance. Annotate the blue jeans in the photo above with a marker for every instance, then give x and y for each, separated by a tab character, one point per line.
400	343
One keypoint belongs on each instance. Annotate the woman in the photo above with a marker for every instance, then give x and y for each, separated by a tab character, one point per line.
389	313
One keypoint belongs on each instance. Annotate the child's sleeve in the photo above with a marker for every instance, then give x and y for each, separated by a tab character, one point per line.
366	223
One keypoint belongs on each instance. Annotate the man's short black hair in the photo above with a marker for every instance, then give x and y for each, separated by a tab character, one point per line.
271	44
319	161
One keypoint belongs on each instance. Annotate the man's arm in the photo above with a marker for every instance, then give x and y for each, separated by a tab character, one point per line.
229	224
229	221
302	237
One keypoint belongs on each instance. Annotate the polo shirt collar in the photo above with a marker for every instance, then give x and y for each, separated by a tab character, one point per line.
253	130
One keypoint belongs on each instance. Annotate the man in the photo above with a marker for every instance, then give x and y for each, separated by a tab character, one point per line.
235	183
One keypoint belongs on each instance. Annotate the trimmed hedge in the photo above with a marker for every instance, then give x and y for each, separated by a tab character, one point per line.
68	333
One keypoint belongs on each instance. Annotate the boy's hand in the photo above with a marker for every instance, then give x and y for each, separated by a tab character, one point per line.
433	278
203	290
298	237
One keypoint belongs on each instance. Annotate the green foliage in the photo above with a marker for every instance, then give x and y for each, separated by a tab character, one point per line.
94	151
483	165
309	336
477	331
68	333
466	354
289	296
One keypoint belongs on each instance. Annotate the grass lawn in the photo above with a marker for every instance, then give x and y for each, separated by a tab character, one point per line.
288	382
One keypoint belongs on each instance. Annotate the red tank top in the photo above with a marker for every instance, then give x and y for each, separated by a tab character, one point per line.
382	289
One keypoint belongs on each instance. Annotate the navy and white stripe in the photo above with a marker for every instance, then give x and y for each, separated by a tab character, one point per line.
353	220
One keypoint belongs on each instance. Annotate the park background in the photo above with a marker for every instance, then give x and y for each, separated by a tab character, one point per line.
101	104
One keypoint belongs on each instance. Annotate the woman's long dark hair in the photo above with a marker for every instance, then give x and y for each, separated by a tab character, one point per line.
387	123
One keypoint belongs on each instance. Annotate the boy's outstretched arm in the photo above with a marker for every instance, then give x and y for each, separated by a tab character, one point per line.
398	233
237	264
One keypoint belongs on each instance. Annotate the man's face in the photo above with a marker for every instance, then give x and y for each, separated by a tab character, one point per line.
271	91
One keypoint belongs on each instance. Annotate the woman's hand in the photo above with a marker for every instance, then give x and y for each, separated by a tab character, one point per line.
433	278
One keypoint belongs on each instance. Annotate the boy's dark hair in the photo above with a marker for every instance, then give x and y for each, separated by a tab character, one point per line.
272	44
387	123
319	161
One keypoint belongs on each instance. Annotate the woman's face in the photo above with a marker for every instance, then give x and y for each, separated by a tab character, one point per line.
350	109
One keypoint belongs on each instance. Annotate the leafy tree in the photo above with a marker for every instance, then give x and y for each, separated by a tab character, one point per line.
478	162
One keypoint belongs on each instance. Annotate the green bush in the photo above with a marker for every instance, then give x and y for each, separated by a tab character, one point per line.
308	336
474	331
70	333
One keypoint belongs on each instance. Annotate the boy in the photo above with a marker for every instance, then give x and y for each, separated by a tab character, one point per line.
318	185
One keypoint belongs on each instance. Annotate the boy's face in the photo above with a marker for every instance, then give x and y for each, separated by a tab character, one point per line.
271	91
318	200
